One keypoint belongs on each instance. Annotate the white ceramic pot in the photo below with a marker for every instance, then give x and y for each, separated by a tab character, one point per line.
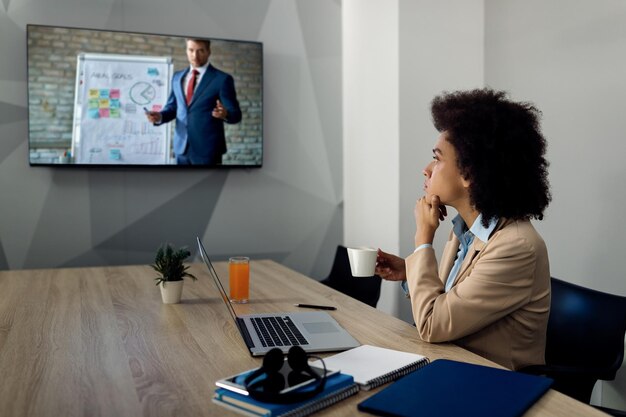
171	291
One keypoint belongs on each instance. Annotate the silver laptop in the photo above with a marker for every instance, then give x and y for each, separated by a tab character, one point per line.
313	331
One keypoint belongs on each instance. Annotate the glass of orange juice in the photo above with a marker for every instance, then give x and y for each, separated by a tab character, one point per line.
239	279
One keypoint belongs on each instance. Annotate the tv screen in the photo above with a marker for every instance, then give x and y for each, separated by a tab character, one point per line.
99	97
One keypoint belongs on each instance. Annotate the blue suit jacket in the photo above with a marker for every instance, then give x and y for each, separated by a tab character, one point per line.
198	135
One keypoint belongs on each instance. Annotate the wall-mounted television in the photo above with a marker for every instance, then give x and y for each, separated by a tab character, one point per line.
113	98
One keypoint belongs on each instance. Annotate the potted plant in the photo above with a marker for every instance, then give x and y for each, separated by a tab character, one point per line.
169	264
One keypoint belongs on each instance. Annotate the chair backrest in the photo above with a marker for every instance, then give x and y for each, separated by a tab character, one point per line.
586	328
365	289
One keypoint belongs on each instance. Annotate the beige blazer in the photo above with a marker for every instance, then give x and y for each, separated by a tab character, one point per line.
499	304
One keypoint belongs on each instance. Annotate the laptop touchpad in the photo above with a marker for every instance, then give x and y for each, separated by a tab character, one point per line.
320	327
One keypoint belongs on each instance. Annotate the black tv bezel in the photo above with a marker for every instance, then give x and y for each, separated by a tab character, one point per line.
131	167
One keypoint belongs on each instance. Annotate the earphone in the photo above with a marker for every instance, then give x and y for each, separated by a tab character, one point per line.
267	389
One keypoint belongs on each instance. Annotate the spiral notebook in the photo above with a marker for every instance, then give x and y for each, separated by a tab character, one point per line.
372	366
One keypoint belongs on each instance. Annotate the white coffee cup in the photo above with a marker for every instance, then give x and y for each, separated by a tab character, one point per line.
362	261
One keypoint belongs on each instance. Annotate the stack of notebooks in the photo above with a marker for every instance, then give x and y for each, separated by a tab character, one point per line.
338	387
364	367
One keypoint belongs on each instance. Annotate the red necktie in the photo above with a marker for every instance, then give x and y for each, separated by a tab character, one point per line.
191	85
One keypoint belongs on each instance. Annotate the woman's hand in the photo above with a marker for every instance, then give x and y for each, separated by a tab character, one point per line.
428	213
390	267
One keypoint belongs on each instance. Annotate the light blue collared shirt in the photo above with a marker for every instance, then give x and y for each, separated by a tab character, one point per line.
466	238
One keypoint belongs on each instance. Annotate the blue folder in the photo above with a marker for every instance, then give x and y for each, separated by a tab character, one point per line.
449	388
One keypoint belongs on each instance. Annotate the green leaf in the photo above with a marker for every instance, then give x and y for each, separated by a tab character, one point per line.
169	263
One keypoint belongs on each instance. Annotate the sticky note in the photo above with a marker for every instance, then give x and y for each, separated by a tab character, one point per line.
104	112
115	154
153	71
115	113
93	103
94	113
115	93
94	93
103	103
104	93
114	103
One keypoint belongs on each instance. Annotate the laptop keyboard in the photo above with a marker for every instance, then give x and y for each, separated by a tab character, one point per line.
277	331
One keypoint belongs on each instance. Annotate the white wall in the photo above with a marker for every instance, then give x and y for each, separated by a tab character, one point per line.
371	137
568	58
441	49
570	62
397	56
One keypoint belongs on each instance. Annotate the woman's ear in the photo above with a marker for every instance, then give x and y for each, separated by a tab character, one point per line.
466	182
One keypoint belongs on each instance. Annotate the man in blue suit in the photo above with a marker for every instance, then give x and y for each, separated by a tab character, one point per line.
202	99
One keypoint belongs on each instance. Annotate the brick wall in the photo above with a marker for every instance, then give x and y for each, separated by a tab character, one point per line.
52	76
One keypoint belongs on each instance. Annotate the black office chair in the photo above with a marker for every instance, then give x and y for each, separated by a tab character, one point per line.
365	289
585	339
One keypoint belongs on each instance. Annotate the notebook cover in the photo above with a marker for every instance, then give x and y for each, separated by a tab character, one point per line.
336	383
449	388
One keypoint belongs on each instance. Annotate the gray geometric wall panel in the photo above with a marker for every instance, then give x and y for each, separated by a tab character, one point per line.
3	259
13	47
178	221
289	210
323	69
10	113
13	135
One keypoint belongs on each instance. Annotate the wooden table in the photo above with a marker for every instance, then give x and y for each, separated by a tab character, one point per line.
99	341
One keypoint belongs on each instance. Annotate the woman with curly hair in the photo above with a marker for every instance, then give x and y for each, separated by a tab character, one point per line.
490	293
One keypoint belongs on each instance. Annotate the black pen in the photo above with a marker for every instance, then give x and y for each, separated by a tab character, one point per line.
314	306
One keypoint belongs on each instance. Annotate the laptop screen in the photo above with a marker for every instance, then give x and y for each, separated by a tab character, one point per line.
218	283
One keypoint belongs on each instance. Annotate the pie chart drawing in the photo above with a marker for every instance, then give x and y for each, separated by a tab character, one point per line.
142	93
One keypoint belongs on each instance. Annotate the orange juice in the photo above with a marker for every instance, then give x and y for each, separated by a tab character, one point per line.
239	279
